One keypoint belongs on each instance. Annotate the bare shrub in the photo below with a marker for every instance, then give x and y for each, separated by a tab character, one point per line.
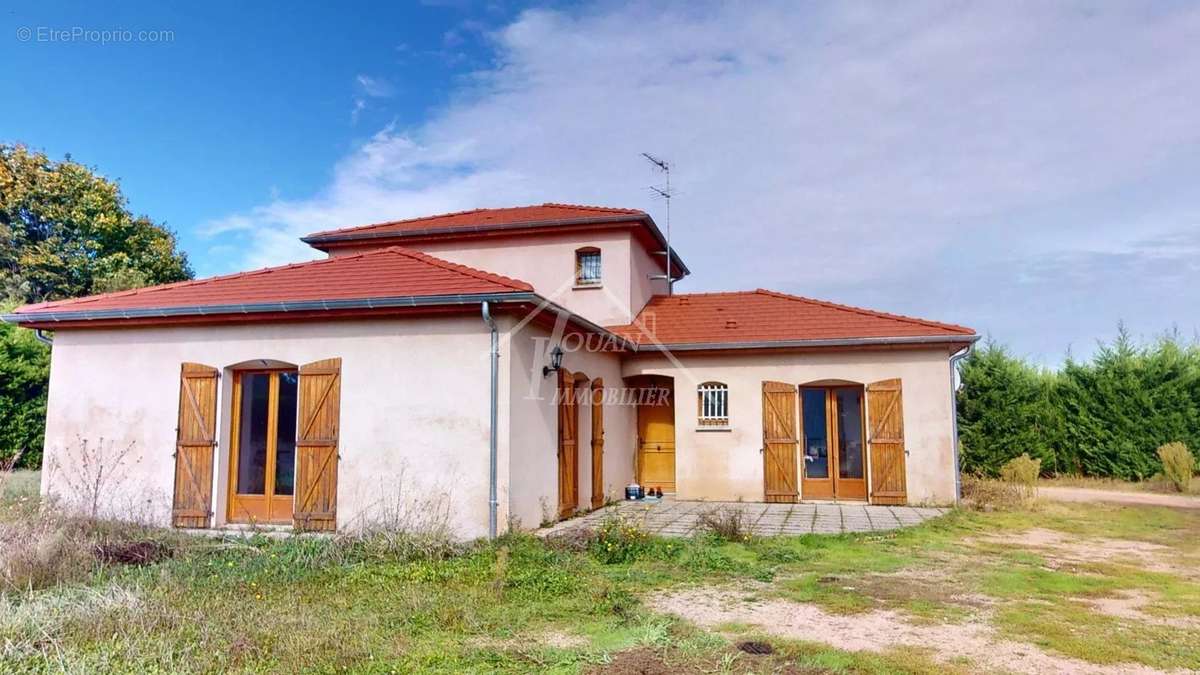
725	522
88	472
986	494
1178	465
8	467
408	523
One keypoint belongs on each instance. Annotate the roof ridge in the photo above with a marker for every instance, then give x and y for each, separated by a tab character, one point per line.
398	221
450	214
701	293
865	311
586	207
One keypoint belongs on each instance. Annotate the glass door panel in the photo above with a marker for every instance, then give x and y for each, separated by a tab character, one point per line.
252	436
816	436
850	436
817	482
263	451
285	444
851	472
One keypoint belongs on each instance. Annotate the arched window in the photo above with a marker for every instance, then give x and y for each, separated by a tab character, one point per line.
713	404
587	266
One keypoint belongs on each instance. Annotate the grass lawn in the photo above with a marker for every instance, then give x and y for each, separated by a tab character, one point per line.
1098	584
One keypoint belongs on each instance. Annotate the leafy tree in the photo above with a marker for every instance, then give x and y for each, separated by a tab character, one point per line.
24	371
66	231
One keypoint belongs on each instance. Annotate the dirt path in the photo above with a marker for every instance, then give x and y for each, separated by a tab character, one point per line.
877	630
1072	494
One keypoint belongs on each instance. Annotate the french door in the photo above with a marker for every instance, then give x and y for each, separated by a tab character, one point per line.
833	459
262	464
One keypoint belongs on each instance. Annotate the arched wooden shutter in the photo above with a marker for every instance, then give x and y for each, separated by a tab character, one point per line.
885	413
317	445
195	438
597	443
568	445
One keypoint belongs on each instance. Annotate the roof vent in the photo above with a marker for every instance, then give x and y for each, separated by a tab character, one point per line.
730	323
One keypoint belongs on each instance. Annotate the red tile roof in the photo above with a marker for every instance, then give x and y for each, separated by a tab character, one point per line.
768	316
392	272
486	218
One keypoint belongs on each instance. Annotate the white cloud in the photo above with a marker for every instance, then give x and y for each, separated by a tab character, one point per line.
375	87
1018	167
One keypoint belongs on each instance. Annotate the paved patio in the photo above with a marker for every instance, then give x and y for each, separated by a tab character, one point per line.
673	518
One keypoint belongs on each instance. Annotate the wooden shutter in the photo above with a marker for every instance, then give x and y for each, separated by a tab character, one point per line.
195	438
885	415
568	445
779	441
317	445
597	443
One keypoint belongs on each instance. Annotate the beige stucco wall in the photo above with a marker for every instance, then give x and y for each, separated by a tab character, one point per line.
533	443
414	412
728	465
547	262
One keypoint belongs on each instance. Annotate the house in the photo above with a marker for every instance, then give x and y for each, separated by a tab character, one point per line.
501	366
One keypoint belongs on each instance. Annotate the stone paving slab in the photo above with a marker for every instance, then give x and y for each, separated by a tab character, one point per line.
672	518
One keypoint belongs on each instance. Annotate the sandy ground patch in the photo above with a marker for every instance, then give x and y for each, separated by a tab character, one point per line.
874	631
548	638
1063	548
1129	605
1073	494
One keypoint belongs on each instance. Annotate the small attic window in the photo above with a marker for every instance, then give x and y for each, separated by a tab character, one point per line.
587	266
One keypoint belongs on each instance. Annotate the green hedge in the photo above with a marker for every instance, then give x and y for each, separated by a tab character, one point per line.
24	371
1104	417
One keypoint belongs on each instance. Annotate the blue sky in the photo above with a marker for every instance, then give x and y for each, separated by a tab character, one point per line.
1028	169
247	101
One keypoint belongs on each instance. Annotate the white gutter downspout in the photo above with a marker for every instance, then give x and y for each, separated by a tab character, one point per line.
493	502
954	418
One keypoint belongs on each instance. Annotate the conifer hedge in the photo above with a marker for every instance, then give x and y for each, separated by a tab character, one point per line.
1103	417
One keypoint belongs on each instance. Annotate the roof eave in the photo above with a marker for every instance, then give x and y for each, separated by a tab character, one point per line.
317	239
265	307
797	344
380	303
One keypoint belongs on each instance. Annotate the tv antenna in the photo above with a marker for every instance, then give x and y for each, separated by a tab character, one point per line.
666	194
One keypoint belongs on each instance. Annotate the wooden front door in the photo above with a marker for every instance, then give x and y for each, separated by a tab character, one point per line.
597	443
886	441
833	448
262	452
779	441
656	434
568	445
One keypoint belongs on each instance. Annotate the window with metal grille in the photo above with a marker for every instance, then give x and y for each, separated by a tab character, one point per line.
713	404
587	267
